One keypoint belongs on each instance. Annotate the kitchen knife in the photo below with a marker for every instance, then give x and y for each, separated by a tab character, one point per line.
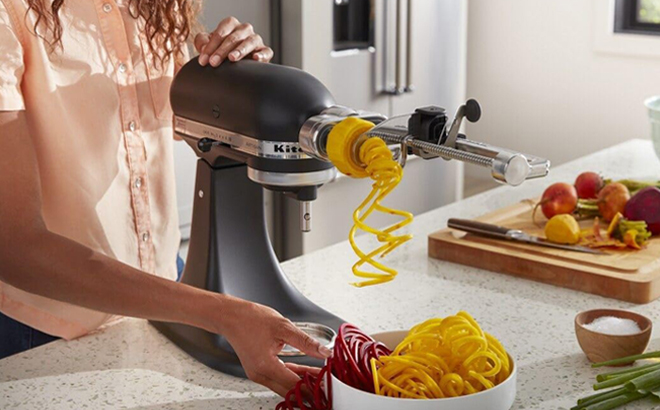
499	232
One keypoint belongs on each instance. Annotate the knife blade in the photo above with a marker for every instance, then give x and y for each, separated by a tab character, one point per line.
516	235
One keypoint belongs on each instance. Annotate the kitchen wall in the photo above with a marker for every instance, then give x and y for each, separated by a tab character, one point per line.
254	12
549	82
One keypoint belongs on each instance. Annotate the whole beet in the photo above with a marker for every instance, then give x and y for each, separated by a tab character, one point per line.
645	206
588	184
612	199
557	199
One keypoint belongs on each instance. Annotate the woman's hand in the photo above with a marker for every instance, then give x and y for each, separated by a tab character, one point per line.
258	333
231	39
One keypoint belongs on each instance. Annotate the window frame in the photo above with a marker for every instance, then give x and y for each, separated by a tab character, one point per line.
626	19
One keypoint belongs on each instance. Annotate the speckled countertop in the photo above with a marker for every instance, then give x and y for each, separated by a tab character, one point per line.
129	365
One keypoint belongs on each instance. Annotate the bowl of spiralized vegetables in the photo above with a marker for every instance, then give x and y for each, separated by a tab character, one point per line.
499	397
441	364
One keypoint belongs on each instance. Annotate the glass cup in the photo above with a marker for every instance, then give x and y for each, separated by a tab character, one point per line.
653	104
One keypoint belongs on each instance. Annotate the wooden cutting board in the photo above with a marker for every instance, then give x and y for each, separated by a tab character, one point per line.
628	275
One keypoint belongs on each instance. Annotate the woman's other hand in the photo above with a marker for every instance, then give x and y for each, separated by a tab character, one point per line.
231	40
258	333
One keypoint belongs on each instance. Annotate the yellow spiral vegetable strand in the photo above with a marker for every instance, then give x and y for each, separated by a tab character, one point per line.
386	174
439	358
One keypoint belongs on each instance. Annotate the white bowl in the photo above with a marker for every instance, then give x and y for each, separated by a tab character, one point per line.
500	397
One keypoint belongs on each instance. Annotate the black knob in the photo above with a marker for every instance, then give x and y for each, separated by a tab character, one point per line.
472	110
205	144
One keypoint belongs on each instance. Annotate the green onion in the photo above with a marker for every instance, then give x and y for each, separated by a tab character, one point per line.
628	359
647	382
598	397
617	381
624	378
609	375
616	401
636	383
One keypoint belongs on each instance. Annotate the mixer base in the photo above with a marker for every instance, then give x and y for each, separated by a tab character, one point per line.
230	252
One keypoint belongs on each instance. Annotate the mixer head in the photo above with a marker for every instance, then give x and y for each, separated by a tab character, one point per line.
251	113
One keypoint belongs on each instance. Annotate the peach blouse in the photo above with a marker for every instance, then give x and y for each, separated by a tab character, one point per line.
99	115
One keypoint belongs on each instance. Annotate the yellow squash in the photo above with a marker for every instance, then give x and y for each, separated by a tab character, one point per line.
563	229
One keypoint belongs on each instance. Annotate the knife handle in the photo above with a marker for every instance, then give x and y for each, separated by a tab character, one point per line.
479	228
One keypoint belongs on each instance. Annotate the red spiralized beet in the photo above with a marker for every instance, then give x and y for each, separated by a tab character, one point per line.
588	184
352	357
350	363
645	206
309	388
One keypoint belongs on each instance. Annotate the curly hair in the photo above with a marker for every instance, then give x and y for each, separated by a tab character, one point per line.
168	23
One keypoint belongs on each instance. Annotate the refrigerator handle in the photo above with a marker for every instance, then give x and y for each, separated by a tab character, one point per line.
388	48
409	87
402	81
398	89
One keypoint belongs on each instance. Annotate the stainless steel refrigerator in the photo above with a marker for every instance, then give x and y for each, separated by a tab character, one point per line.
387	56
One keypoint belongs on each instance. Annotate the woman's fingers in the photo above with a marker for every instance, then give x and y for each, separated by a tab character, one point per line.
301	370
233	40
254	42
201	40
273	385
230	43
276	376
295	337
217	37
263	55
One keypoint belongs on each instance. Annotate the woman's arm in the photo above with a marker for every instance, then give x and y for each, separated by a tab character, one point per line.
44	263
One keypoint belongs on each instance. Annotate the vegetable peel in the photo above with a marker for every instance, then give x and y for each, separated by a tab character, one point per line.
614	224
630	239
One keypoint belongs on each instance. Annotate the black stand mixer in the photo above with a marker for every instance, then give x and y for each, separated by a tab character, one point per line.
257	126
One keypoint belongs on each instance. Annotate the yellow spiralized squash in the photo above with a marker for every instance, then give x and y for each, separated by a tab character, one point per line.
441	358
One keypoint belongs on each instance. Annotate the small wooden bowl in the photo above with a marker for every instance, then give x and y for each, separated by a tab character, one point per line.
600	347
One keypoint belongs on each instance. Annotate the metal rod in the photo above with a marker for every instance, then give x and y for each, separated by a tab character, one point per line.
306	216
440	150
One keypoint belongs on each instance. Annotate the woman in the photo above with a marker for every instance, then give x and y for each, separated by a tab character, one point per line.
88	221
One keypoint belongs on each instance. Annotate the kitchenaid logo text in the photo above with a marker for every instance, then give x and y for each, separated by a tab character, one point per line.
286	148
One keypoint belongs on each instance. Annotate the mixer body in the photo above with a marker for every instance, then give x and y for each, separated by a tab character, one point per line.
243	123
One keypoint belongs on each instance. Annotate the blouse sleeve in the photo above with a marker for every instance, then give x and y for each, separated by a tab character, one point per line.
11	64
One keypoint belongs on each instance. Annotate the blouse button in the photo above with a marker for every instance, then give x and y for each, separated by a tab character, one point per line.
145	237
138	182
132	126
107	7
122	68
